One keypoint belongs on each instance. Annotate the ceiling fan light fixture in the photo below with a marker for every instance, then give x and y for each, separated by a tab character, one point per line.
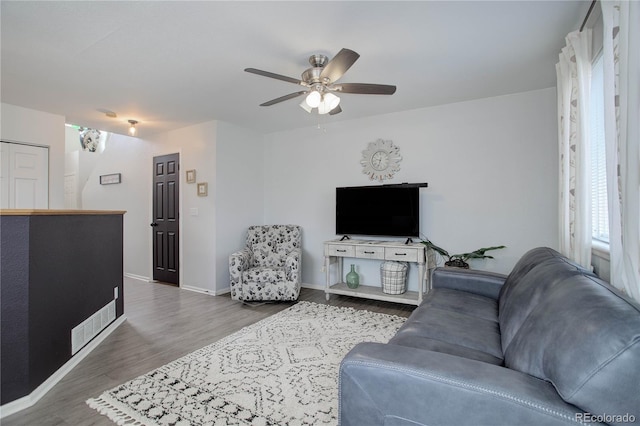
305	106
313	99
331	100
323	108
328	103
320	83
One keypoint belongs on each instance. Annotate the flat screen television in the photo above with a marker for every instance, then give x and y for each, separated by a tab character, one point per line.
392	211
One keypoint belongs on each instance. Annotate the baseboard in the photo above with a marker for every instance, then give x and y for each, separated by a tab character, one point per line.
313	286
137	277
205	290
216	292
29	400
226	290
184	287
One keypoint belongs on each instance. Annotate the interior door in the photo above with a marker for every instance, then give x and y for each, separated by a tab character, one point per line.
24	176
166	186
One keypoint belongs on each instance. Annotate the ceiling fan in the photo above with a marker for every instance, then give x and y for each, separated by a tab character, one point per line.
320	84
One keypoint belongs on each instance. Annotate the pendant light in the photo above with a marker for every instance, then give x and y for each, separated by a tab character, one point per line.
132	127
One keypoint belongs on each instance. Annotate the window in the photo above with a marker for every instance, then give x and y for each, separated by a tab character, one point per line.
599	209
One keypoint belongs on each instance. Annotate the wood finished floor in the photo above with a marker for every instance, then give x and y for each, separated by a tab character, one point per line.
163	324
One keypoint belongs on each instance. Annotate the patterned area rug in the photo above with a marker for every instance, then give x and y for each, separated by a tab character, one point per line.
282	370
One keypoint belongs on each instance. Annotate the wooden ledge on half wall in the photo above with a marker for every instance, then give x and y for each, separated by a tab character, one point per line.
54	212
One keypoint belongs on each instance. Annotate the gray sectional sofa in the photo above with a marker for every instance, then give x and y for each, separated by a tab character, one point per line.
549	344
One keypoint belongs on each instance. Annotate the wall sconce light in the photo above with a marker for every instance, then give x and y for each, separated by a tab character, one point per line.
132	128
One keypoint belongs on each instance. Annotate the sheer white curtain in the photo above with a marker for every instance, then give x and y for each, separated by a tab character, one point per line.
574	79
621	59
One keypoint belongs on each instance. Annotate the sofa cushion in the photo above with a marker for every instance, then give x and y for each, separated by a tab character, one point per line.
413	340
454	322
584	337
528	261
264	275
516	305
272	243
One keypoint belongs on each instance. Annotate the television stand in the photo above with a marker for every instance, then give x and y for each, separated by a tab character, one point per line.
409	240
336	250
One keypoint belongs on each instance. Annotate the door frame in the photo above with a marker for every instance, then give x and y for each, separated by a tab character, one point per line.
150	218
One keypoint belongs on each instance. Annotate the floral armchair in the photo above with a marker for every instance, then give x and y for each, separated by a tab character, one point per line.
268	268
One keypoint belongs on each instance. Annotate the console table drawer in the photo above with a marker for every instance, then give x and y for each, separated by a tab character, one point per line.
370	252
341	250
401	254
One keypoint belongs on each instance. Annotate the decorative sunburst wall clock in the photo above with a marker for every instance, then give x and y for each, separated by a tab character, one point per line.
381	160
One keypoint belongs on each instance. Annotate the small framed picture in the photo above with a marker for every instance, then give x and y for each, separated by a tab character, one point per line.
191	176
111	179
202	189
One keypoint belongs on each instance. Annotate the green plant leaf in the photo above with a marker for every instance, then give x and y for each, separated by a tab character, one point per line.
476	254
439	250
480	253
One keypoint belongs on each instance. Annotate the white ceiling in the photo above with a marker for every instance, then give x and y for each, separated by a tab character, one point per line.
173	64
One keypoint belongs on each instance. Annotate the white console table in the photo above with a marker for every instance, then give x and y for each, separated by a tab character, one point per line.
335	251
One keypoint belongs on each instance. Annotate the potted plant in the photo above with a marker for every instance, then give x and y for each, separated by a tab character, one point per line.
460	260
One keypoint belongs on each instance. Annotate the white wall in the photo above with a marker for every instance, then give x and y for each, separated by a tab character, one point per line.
132	158
491	165
239	192
197	148
29	126
227	157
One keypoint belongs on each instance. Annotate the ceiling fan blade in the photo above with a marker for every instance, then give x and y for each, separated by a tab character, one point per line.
283	98
340	63
336	110
365	89
274	75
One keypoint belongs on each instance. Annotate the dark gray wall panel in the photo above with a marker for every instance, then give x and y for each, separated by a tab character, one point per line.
14	309
62	269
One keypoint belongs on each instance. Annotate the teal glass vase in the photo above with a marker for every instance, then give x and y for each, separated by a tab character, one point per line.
353	279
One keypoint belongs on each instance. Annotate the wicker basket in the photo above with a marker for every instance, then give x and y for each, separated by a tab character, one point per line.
393	277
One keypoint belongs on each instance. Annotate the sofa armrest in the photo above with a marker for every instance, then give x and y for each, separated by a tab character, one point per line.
292	265
484	283
239	261
383	384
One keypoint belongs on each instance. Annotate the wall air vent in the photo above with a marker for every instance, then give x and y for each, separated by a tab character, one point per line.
92	326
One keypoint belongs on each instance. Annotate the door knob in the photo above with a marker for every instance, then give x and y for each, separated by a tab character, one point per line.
154	224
